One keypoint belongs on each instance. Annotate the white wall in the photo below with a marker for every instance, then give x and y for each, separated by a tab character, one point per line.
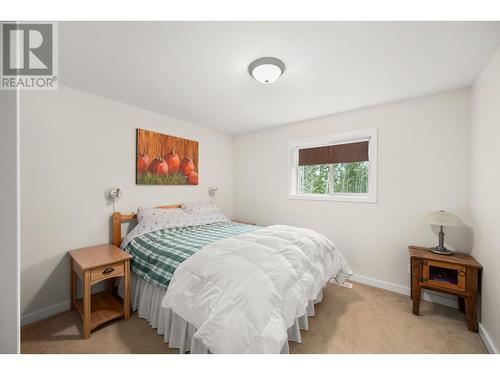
75	146
9	220
484	193
423	165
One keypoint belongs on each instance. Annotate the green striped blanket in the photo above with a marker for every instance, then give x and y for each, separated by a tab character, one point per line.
156	255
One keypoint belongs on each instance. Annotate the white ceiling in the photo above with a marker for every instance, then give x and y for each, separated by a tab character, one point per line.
197	71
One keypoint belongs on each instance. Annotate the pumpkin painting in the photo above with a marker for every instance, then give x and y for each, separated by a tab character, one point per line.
142	163
193	178
165	160
173	162
158	167
187	166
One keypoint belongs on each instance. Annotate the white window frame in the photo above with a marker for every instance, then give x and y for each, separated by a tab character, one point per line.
294	146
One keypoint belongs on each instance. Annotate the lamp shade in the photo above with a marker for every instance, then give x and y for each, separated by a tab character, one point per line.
444	218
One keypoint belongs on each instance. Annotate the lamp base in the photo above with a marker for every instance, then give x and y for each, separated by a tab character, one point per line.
441	250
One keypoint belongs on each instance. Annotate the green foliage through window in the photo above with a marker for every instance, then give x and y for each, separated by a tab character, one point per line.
333	178
313	179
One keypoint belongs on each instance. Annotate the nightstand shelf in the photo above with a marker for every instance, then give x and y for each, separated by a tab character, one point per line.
92	265
103	308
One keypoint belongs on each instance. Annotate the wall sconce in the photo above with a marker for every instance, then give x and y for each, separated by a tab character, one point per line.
212	191
114	194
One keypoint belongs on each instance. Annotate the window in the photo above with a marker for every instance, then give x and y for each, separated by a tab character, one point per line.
339	167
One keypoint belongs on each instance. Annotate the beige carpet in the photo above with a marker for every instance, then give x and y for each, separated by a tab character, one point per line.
359	320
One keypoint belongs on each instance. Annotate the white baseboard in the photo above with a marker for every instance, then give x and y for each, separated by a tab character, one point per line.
44	313
441	299
401	289
57	308
488	342
435	297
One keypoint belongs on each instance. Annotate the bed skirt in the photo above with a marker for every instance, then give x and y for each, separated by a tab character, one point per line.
178	333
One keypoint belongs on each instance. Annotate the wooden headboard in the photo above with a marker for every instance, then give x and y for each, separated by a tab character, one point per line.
119	218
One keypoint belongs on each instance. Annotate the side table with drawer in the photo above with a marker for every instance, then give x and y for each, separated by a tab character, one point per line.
456	274
92	265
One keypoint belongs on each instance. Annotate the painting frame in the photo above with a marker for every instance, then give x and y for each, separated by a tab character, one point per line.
162	159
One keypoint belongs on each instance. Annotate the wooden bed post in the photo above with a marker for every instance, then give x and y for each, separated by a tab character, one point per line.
117	229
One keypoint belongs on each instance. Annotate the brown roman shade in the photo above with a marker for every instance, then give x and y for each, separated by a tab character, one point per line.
344	153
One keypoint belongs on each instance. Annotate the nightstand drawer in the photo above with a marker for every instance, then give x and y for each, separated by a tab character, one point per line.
444	275
102	273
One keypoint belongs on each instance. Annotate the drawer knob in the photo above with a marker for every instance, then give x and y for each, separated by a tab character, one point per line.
107	270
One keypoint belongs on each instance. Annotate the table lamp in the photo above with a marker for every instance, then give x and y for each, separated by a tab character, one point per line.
443	219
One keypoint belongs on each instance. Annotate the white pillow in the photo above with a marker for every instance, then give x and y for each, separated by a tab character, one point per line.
153	219
192	207
162	214
204	212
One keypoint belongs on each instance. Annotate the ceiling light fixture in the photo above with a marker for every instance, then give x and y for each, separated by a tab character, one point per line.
266	69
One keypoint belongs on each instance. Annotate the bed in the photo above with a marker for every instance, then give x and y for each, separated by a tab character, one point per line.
218	286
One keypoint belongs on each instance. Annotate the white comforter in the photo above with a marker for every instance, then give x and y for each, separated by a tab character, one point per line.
242	293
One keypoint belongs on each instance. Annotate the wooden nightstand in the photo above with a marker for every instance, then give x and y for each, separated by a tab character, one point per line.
453	274
92	265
